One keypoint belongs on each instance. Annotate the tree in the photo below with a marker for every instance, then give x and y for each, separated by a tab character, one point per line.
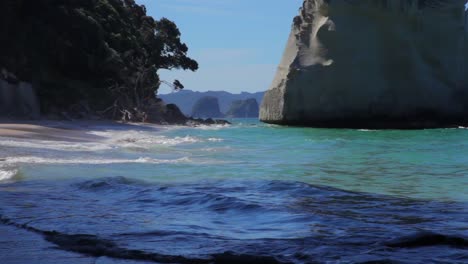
106	52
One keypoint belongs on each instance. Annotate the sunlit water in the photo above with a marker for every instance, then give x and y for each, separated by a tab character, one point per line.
247	192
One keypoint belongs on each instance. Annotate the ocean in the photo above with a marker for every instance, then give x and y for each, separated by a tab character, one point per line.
245	193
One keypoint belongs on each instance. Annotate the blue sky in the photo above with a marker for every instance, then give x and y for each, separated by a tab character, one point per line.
238	43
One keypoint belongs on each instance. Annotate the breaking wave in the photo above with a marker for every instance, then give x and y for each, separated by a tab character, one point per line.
112	140
6	174
235	222
96	246
55	145
40	160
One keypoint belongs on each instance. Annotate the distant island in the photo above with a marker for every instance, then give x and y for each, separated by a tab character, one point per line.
207	107
187	100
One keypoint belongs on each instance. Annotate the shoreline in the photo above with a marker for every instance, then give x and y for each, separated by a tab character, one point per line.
69	131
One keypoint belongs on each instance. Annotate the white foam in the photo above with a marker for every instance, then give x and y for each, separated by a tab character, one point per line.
54	145
141	139
40	160
7	174
221	149
215	139
112	140
211	127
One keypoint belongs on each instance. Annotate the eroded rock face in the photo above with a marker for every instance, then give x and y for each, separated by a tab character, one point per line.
375	64
243	109
207	107
18	100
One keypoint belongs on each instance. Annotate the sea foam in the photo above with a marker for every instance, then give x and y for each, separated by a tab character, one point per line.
112	140
40	160
54	145
6	174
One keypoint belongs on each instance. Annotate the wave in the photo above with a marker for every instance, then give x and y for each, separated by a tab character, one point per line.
367	130
6	174
40	160
211	127
107	183
428	239
55	145
96	246
142	138
111	140
240	217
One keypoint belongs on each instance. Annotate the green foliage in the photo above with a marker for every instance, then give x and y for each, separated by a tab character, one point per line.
107	52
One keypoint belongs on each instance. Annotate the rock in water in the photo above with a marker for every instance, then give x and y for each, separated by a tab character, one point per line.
207	107
243	109
373	64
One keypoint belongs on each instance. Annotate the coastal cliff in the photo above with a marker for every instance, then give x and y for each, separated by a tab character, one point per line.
98	57
373	64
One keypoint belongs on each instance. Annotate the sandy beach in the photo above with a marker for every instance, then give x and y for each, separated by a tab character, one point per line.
72	131
35	142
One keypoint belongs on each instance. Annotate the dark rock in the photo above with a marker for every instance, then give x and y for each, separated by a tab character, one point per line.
222	122
206	122
174	115
160	113
209	121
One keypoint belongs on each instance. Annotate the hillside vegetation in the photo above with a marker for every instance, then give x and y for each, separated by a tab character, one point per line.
98	54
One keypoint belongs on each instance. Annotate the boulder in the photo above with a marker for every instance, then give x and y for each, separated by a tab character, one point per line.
159	112
373	64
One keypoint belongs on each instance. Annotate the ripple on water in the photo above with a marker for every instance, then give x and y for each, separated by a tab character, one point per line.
247	214
287	221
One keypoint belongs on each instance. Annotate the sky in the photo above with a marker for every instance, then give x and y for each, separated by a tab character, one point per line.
237	43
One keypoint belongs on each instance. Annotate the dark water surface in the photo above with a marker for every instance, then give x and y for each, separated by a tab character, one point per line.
250	193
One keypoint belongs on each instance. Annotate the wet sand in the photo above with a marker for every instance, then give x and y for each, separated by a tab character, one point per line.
72	131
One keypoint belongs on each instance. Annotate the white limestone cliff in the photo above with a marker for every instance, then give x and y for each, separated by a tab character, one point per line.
373	63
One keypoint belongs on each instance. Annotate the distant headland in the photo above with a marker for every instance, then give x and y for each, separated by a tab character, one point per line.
230	104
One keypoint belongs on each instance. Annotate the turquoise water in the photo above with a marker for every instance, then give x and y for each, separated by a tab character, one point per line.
245	192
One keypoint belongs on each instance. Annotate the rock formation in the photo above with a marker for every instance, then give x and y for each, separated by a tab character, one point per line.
17	99
374	64
186	99
207	107
243	109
